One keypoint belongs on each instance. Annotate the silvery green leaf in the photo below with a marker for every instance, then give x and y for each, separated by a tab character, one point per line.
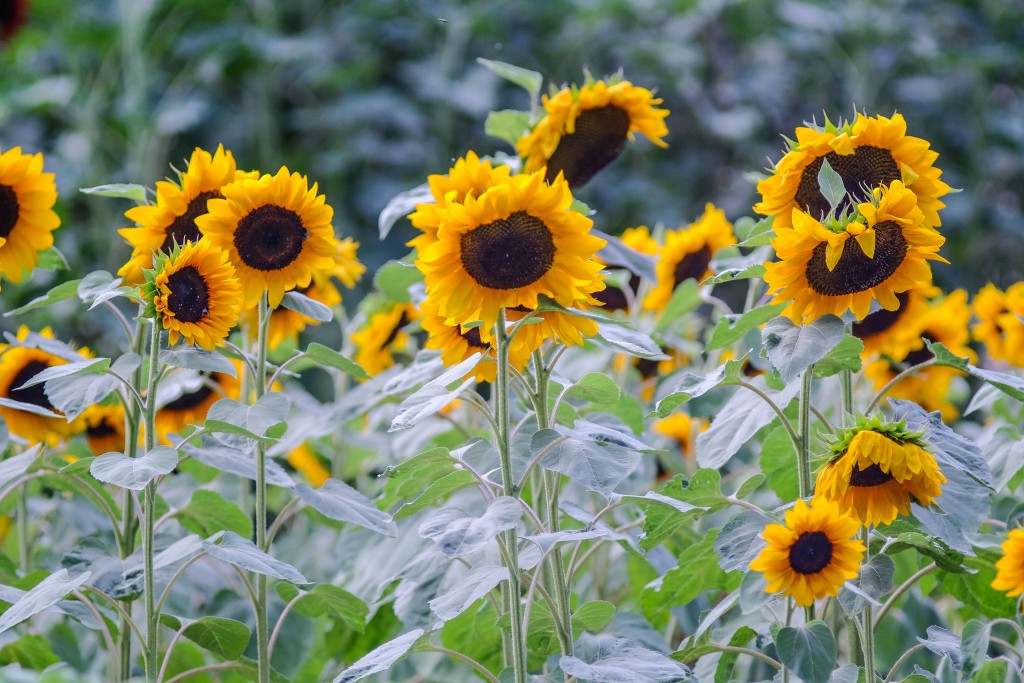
100	286
311	308
754	593
740	541
653	497
381	658
808	650
62	292
34	340
620	660
974	645
5	436
26	407
944	643
617	253
194	358
231	460
685	298
339	501
598	466
620	338
530	81
742	267
690	386
434	395
508	125
243	553
831	184
400	206
134	473
136	193
716	613
45	594
793	348
546	541
72	394
458	533
471	586
264	420
874	581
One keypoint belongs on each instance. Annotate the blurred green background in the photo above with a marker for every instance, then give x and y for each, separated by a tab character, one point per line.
368	97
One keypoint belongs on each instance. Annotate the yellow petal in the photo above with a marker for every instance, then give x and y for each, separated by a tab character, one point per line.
833	252
866	240
842	144
908	175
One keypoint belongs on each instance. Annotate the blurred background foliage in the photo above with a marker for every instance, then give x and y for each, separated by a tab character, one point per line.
368	97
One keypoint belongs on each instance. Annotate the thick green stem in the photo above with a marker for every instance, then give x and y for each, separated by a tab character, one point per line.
804	456
132	420
869	622
262	623
23	531
149	513
517	647
846	384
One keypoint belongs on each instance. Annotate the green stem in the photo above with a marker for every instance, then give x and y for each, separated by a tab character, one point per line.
262	623
149	513
23	531
131	436
517	648
804	454
869	623
846	384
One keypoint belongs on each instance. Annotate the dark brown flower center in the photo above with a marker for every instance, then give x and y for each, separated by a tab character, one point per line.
191	399
920	355
811	553
862	171
403	320
508	253
189	299
600	137
855	272
9	210
881	320
183	228
270	237
472	337
101	429
872	476
693	266
34	394
613	298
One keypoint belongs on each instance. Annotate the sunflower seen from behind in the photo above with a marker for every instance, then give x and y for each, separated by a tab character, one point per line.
586	127
27	218
1010	567
277	231
1000	325
812	555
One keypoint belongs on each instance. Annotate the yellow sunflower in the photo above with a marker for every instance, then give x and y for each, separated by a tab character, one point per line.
286	324
382	336
1010	567
559	327
517	240
877	469
586	127
1000	325
687	253
822	271
682	429
308	463
347	266
196	294
469	175
104	428
19	364
191	407
892	332
944	320
172	219
277	231
812	555
27	218
614	298
870	152
457	344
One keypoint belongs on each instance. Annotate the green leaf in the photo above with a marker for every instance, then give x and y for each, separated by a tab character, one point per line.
731	328
340	502
974	645
508	125
778	462
592	616
405	480
845	356
595	387
311	308
697	572
750	485
331	358
976	593
438	490
475	633
874	581
337	602
136	193
684	299
53	260
241	552
226	638
730	274
831	184
757	234
690	386
944	356
703	490
380	658
62	292
395	278
100	286
945	557
809	651
208	512
993	671
530	81
134	473
792	348
727	662
30	651
434	395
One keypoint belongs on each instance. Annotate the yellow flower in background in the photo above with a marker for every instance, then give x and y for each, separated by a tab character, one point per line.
870	152
614	298
688	252
383	335
812	555
895	332
457	344
516	241
682	429
559	327
104	428
191	407
307	463
1000	325
347	266
277	231
586	127
1010	567
27	218
821	271
172	219
877	470
197	295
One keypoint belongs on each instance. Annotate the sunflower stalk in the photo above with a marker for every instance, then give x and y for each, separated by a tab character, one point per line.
23	541
262	623
867	616
149	511
804	456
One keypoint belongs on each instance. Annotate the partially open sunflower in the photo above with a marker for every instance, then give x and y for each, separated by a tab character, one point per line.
1000	325
813	554
1010	567
382	336
877	469
869	152
586	127
277	231
172	219
104	428
27	218
873	257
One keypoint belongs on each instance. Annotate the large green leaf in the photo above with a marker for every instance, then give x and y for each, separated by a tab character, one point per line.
809	651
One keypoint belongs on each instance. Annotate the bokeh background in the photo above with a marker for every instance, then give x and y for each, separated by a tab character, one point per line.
367	97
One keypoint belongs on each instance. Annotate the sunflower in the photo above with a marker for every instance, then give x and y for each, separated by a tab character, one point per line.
172	219
27	218
191	407
614	298
585	128
652	371
682	429
1010	567
469	175
877	469
1000	324
104	428
890	332
196	294
382	336
870	152
822	271
687	253
560	327
19	364
457	343
305	461
517	240
812	555
277	231
347	267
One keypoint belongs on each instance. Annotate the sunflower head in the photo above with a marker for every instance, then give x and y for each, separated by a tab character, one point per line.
104	428
308	463
384	334
586	127
813	554
682	429
877	469
191	406
27	218
457	343
1010	567
1000	325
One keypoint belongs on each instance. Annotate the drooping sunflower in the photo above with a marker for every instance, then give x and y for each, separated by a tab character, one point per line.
517	240
813	554
687	253
870	152
614	298
191	407
172	219
277	231
877	469
884	252
104	428
586	127
18	365
890	332
382	336
196	294
1000	325
27	218
308	463
1010	567
468	175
